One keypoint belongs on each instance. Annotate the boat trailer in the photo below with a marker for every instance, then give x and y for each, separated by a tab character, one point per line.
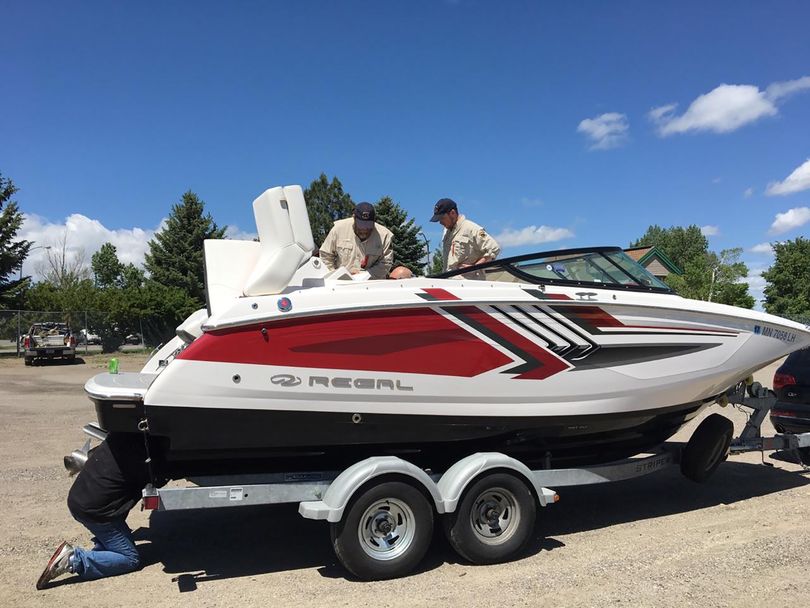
381	509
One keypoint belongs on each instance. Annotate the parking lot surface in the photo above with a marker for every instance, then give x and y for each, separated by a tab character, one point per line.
741	539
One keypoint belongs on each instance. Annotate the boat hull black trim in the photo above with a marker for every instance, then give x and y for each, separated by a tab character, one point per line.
203	440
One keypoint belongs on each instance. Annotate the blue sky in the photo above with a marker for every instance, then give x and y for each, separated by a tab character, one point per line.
551	124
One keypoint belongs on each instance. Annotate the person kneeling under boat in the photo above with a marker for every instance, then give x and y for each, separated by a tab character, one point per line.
105	491
359	243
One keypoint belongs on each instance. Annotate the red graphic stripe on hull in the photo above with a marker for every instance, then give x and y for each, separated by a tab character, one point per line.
539	362
417	340
441	294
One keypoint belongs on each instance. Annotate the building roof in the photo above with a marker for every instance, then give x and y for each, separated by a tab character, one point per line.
643	255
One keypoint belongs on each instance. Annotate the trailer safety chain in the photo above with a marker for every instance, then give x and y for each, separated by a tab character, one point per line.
143	426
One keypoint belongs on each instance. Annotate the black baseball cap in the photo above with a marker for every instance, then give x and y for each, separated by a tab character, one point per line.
364	215
443	205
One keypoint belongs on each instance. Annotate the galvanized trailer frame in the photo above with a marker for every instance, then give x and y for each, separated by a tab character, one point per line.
324	494
328	495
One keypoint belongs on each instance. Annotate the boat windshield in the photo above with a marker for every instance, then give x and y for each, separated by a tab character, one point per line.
598	267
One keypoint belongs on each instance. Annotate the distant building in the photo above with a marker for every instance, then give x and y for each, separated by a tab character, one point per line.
654	260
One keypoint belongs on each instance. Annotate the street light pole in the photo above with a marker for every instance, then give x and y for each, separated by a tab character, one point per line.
427	252
19	303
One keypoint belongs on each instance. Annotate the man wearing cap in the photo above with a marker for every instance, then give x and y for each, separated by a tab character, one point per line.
358	243
464	243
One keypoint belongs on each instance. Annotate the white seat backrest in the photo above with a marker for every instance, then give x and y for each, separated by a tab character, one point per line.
299	219
283	248
228	264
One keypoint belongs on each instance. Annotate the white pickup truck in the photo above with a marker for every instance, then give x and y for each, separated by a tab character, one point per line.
49	340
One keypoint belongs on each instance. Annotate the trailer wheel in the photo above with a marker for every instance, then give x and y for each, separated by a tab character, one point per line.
385	531
707	448
494	519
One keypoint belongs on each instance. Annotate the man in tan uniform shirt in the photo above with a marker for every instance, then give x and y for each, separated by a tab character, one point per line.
464	243
358	243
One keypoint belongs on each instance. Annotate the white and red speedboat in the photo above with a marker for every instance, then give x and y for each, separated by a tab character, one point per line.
560	358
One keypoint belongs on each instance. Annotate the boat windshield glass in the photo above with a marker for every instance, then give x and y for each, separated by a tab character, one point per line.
599	267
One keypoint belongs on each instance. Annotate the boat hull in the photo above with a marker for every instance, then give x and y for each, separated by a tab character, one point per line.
434	374
196	441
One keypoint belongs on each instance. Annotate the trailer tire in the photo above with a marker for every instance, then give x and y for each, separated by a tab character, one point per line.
707	448
385	532
494	519
29	360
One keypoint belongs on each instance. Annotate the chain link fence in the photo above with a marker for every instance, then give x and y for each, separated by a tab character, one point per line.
93	331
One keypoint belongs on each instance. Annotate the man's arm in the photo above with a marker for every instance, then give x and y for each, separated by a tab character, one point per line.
381	268
488	246
328	250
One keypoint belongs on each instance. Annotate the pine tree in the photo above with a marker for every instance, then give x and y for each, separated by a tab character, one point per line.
175	257
409	249
326	203
12	253
436	264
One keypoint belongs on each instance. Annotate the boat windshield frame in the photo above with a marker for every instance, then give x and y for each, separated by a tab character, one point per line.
586	255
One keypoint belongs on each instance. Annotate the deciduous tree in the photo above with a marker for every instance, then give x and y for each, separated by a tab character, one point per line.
706	275
787	292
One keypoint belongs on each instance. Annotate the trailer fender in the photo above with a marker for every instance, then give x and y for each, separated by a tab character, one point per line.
455	480
341	490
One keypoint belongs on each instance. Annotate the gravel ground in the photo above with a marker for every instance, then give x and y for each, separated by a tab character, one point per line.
740	540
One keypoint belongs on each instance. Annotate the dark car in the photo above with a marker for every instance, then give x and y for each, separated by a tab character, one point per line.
791	414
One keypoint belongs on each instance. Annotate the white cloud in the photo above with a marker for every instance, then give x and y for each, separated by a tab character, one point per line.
793	218
531	202
709	230
778	90
756	285
234	232
762	248
726	108
605	131
86	236
83	235
662	113
749	192
532	235
795	182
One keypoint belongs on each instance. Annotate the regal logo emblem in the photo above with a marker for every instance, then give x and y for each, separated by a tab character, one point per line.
285	380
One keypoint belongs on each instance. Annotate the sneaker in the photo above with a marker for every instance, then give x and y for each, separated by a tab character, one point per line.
58	565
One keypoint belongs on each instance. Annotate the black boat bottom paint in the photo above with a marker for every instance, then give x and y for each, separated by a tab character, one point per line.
206	441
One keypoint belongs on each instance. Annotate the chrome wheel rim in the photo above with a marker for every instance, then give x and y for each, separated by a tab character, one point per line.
495	516
387	529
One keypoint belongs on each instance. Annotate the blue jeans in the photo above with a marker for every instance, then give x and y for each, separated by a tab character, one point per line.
113	551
